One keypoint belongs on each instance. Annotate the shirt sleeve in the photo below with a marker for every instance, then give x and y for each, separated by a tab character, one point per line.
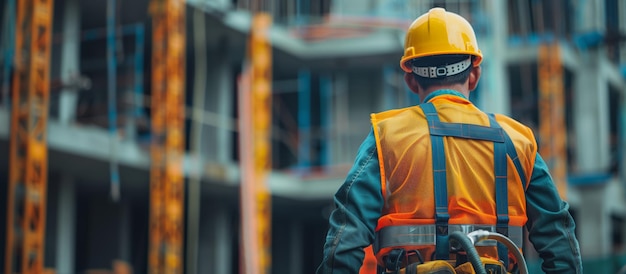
550	225
358	205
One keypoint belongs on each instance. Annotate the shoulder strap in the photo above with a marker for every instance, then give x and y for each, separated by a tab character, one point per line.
510	150
440	183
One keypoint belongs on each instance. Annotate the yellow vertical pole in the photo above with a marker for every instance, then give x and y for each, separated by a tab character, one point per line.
552	131
168	103
255	147
175	137
29	152
157	150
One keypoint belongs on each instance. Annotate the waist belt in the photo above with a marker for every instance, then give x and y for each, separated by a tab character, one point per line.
396	236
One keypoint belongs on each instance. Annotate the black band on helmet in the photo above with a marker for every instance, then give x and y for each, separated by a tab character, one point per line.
443	71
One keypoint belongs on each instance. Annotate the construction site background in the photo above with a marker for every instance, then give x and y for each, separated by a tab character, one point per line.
209	136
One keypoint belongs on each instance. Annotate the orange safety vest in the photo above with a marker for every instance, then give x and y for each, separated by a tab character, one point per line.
438	173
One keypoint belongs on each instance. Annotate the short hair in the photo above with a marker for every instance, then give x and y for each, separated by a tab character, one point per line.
438	61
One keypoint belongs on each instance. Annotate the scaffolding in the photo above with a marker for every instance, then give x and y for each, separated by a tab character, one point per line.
167	182
28	150
552	131
255	104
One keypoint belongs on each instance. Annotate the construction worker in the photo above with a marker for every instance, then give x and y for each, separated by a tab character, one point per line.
428	170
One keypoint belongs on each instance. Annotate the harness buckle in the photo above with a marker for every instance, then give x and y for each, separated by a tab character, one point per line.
400	258
394	260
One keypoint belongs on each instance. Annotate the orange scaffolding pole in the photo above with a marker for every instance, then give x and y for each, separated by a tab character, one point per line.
552	131
28	149
255	104
167	150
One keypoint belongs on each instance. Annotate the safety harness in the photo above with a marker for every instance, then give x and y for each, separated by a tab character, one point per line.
439	233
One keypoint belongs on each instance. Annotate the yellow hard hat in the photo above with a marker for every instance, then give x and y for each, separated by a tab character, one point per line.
439	32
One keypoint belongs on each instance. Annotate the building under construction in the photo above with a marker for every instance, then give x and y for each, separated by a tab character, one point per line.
209	136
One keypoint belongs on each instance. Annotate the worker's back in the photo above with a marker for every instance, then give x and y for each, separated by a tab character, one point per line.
406	156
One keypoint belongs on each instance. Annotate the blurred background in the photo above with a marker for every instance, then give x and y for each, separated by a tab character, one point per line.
195	137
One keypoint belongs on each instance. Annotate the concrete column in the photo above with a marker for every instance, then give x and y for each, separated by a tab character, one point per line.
224	109
390	83
592	153
125	232
595	227
223	241
288	245
622	28
296	247
219	100
194	191
622	121
494	95
70	65
340	120
216	240
590	16
103	237
130	123
591	116
206	247
52	220
66	225
362	92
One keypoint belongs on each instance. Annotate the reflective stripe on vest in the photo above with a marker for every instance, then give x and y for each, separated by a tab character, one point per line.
412	235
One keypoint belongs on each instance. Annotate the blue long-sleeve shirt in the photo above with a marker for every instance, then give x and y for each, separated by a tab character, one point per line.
359	204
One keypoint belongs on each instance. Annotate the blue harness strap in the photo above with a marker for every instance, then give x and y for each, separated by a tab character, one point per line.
440	184
502	199
500	172
510	150
503	146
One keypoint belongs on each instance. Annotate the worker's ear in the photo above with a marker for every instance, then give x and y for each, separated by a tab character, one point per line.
474	77
409	79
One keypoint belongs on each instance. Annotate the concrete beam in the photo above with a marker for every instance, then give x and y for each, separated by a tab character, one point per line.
92	143
527	53
374	43
322	187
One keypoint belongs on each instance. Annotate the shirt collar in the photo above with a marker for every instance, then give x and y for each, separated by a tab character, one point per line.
443	92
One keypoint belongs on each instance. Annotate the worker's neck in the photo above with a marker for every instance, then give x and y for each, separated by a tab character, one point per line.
461	88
